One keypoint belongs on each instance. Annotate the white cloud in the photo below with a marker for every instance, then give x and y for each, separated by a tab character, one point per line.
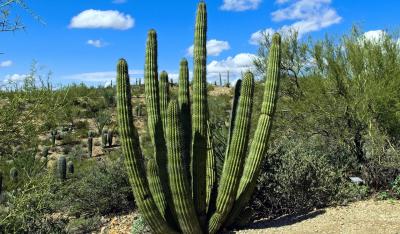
308	16
102	19
235	65
7	63
96	43
14	78
100	76
214	47
256	37
119	1
375	35
240	5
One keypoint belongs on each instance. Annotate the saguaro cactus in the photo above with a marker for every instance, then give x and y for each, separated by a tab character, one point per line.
176	198
90	146
62	167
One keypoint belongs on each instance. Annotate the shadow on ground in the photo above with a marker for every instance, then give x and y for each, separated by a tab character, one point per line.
285	220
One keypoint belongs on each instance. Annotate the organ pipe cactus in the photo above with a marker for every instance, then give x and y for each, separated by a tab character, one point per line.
172	196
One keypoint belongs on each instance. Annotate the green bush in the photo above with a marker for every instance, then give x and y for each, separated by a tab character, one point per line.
297	177
396	187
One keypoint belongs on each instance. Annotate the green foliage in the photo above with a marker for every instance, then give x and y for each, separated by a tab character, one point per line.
396	187
14	174
71	168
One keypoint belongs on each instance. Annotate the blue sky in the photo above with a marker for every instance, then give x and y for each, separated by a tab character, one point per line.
82	41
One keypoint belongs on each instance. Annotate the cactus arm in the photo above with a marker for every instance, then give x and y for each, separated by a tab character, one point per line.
186	118
133	154
154	185
211	170
178	180
164	98
233	164
259	145
199	115
236	96
155	125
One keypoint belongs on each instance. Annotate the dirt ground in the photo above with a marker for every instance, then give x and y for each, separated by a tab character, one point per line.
363	217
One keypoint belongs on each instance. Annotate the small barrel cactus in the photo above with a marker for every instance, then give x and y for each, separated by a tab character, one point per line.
62	167
71	168
14	174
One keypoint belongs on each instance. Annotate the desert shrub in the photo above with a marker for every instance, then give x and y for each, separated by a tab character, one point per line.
100	187
32	208
396	187
83	124
139	226
296	178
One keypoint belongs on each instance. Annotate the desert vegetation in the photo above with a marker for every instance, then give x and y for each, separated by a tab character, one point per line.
315	125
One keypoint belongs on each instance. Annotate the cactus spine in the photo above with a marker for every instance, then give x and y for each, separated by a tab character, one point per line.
62	167
169	193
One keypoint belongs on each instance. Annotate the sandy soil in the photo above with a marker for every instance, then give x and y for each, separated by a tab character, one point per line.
364	217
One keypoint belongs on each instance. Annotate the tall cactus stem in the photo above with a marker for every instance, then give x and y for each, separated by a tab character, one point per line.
178	180
258	148
133	154
199	115
186	118
233	164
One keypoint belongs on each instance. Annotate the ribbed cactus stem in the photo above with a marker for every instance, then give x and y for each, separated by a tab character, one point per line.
232	117
155	186
237	148
258	148
178	180
104	138
133	154
62	167
211	169
199	114
186	118
164	97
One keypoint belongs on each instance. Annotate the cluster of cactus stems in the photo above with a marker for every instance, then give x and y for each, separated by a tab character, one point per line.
175	188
